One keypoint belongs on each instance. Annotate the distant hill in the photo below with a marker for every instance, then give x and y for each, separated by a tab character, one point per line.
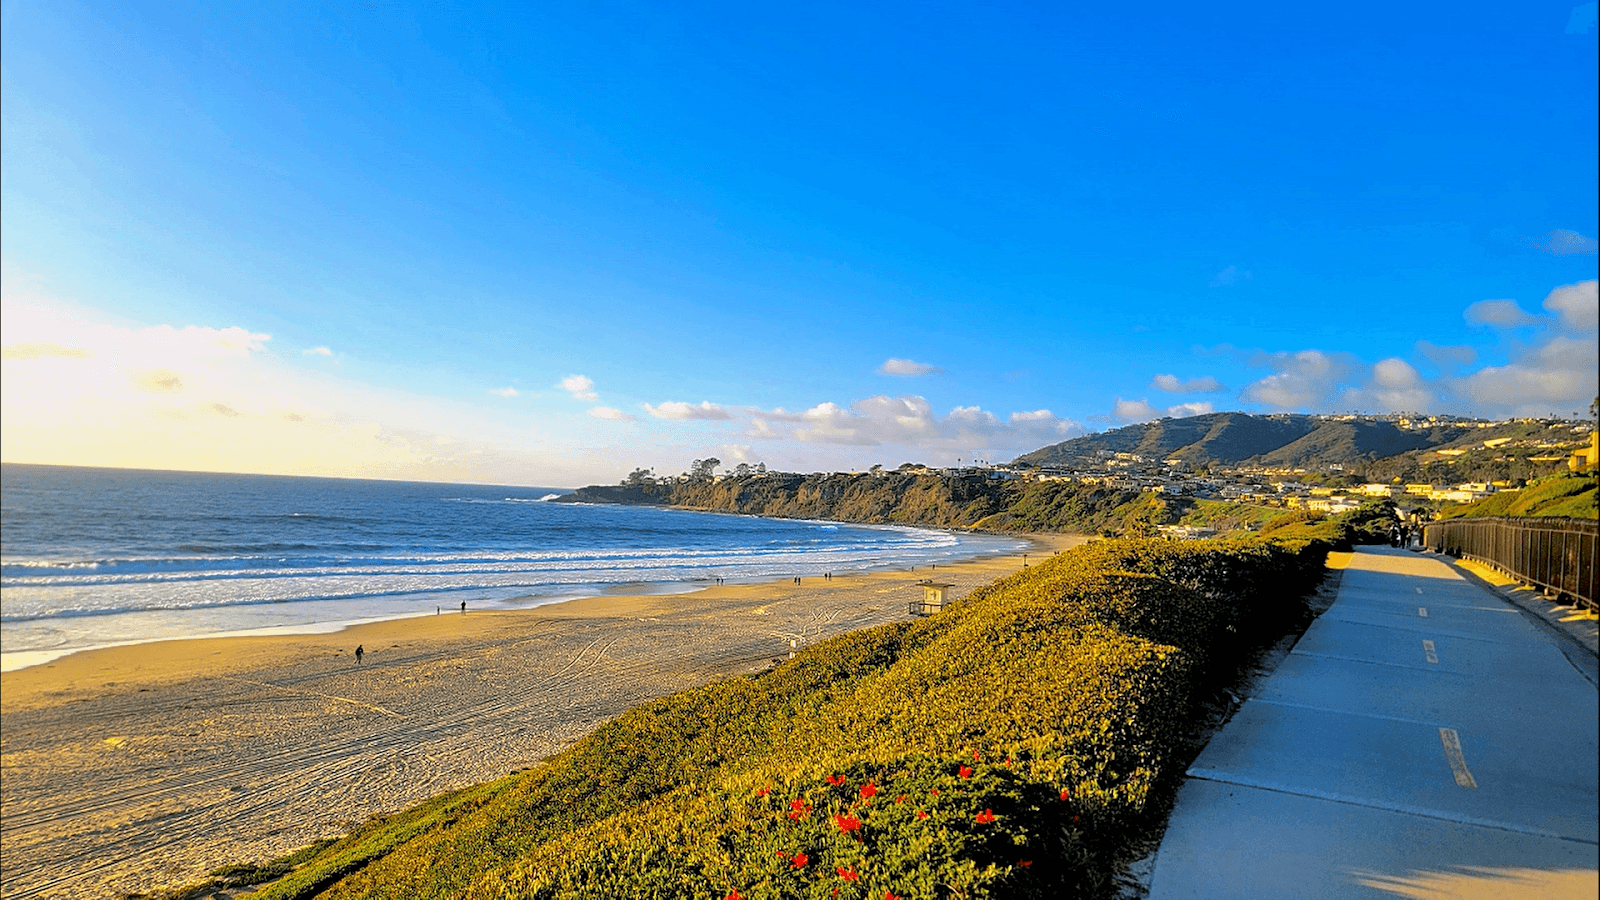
1352	441
1377	447
1228	437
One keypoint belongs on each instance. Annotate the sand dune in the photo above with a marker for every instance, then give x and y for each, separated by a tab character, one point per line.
132	768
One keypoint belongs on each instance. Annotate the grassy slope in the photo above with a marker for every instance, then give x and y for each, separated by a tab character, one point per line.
1563	495
1224	515
1064	689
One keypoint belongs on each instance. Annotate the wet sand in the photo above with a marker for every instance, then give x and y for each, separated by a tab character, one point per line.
146	766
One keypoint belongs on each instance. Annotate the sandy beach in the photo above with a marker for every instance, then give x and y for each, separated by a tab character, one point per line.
133	768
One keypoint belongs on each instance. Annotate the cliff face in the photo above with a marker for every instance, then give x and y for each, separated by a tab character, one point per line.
621	494
897	498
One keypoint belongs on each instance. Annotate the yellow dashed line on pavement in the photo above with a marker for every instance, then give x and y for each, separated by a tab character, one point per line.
1457	760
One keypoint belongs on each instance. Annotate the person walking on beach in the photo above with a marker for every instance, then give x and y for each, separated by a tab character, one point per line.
359	653
463	606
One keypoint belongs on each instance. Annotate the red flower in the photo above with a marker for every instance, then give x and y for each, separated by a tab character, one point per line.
834	779
868	790
847	824
976	757
762	792
799	860
799	809
934	792
984	817
890	895
1024	863
1008	762
848	874
1066	794
900	799
966	772
921	814
734	895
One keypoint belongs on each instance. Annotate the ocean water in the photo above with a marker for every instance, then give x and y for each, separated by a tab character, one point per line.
92	557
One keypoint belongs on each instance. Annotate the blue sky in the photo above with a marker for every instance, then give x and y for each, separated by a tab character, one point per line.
378	239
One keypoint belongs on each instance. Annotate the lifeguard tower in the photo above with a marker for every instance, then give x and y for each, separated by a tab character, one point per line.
933	598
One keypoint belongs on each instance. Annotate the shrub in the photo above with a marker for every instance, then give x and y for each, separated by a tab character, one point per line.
1008	746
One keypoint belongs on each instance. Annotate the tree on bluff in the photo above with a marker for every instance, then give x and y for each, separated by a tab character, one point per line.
700	470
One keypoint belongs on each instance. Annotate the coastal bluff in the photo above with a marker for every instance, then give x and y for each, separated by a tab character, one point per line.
921	498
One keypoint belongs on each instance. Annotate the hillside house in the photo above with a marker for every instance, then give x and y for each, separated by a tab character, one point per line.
1586	458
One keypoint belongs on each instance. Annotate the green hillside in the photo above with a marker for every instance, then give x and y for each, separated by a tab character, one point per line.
1572	496
1010	746
1214	437
1347	442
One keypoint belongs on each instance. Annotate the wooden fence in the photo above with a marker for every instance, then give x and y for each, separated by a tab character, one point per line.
1556	554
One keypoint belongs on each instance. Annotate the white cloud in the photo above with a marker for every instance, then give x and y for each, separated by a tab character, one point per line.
910	421
736	453
761	429
1550	371
1044	423
1173	385
1395	373
614	415
676	409
1578	305
872	421
1133	411
893	366
1566	242
1498	313
1395	386
775	415
1231	276
1142	410
1557	376
1182	410
316	351
1307	379
580	387
507	392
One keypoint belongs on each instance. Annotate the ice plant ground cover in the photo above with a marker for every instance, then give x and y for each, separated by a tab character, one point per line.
1008	746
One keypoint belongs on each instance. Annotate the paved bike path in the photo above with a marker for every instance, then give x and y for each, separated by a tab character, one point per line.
1422	739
